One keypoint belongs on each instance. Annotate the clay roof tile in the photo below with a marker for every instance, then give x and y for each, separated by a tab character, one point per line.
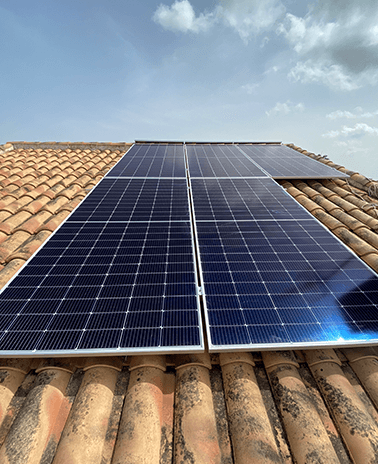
34	222
14	241
54	222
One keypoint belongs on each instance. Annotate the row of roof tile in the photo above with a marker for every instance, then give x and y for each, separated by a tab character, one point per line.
316	406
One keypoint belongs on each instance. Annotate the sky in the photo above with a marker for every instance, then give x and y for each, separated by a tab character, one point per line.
200	70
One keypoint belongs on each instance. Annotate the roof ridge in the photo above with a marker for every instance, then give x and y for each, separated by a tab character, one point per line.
65	145
6	147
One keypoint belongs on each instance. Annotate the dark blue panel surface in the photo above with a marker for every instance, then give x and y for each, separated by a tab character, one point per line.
110	286
243	199
151	160
280	161
207	160
281	295
135	200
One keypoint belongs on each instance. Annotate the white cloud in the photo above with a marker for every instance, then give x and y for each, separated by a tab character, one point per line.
285	108
340	114
250	88
348	115
273	69
337	43
360	129
248	18
331	134
180	17
304	34
264	41
331	75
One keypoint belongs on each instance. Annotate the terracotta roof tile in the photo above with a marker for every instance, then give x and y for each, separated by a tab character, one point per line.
34	222
71	191
71	205
17	205
29	247
6	200
52	206
34	206
14	241
30	435
11	222
69	179
54	222
89	419
10	270
307	435
249	444
359	430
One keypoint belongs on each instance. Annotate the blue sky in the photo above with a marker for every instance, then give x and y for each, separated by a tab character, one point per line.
120	70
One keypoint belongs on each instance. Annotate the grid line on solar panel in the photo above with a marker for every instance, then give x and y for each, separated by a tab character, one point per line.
146	301
296	284
280	161
243	199
135	200
135	260
151	160
220	161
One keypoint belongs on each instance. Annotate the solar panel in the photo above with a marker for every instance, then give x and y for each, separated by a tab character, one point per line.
282	162
135	200
274	277
210	160
243	199
118	276
151	160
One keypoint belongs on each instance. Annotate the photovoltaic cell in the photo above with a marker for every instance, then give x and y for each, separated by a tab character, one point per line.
151	160
282	162
243	199
210	160
277	281
135	200
117	277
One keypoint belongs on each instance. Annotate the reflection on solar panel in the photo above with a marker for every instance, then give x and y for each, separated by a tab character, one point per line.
220	161
273	276
282	162
119	276
151	160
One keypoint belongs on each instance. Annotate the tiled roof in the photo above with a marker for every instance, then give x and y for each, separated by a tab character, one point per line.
311	406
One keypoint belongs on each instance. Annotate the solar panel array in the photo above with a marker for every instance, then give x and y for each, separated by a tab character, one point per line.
119	275
273	276
173	224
